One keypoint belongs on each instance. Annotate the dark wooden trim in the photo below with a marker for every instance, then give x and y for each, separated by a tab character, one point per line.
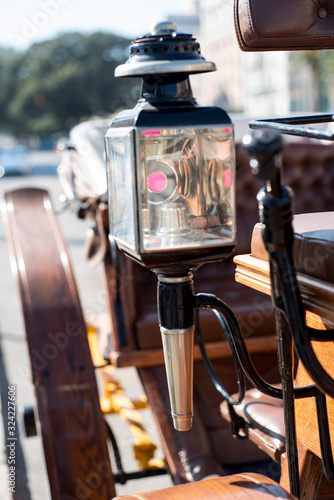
215	350
70	420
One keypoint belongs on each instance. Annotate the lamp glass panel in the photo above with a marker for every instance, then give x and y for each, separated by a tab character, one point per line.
187	192
121	185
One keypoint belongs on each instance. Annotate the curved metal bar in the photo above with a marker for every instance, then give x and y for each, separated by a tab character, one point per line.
209	367
320	335
290	126
122	477
117	455
324	437
294	311
228	320
209	301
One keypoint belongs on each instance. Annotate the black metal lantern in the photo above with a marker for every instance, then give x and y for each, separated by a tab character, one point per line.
171	194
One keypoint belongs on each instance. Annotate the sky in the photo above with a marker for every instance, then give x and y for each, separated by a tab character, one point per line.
23	22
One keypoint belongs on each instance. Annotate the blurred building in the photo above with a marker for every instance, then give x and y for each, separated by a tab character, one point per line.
211	22
267	83
225	87
254	83
189	22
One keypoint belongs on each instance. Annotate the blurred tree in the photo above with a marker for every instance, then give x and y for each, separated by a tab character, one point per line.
6	56
321	65
56	83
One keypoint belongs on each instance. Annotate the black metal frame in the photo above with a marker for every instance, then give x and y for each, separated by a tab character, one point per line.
288	393
275	207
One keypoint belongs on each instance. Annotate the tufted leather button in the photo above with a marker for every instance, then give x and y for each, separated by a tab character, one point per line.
322	13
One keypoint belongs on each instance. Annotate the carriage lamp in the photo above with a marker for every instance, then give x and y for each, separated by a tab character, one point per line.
171	196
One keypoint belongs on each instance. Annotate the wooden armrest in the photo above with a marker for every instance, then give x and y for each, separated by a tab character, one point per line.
317	295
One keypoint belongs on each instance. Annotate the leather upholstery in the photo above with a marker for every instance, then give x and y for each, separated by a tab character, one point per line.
308	170
242	486
313	247
284	24
264	419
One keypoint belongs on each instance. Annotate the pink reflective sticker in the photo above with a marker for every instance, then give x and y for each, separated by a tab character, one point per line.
228	178
151	132
156	182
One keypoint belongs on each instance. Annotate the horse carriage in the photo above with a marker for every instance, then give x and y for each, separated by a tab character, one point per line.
237	376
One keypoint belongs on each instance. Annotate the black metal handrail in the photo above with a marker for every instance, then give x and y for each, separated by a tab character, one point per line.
291	126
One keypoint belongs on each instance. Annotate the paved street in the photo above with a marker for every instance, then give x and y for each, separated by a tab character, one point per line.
31	477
